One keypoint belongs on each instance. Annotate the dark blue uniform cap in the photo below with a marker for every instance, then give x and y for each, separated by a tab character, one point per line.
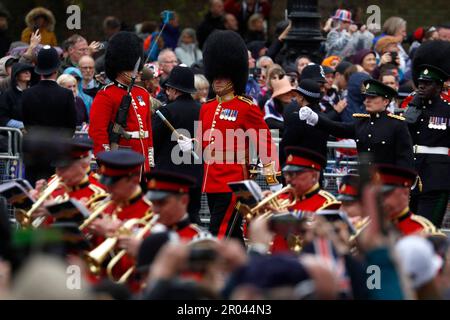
118	164
161	184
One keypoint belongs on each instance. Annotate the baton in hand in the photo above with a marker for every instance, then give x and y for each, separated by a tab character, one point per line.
169	125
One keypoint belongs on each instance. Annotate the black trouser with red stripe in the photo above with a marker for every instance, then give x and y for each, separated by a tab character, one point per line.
225	220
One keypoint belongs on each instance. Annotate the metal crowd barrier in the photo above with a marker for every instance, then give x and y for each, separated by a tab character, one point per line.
11	162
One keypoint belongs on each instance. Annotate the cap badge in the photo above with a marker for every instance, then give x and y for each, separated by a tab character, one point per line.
368	86
290	158
425	71
152	183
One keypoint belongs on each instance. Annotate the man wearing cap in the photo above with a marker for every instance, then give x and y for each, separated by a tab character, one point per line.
428	116
120	172
182	112
298	133
384	135
396	187
72	168
228	122
48	105
349	195
124	50
302	172
169	193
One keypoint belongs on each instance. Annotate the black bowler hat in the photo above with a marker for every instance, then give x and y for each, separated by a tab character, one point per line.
376	88
348	189
73	149
117	164
432	73
47	61
182	79
314	72
301	159
308	88
161	184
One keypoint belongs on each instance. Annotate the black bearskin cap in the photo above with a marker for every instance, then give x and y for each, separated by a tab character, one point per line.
124	49
225	56
435	53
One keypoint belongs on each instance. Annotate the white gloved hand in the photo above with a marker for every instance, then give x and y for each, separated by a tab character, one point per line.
184	143
310	116
276	187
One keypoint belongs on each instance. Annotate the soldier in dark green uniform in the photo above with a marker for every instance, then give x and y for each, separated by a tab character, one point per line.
428	117
385	136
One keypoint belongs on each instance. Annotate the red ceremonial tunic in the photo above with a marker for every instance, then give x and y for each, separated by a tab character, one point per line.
239	114
409	223
103	114
313	201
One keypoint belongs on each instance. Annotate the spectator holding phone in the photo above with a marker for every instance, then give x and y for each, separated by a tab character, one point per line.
43	20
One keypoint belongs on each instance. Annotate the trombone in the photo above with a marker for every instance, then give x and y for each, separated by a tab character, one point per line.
25	217
271	200
114	261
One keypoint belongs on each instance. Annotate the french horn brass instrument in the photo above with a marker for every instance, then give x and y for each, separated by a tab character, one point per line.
271	200
96	257
25	217
115	260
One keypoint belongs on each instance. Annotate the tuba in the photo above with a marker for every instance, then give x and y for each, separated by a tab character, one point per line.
271	200
115	260
25	217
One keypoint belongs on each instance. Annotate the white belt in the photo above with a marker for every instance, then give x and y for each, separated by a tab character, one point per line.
137	134
431	150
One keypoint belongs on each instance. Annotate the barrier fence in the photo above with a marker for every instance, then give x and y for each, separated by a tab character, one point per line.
338	165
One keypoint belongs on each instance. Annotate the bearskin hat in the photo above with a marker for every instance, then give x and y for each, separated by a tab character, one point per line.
435	53
225	56
124	49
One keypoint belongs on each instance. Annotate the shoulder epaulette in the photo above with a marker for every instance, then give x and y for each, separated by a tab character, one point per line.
147	201
246	100
361	115
96	189
138	86
394	116
330	202
108	85
210	100
428	226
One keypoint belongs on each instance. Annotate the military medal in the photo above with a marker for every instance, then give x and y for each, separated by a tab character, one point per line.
222	114
431	123
141	101
233	115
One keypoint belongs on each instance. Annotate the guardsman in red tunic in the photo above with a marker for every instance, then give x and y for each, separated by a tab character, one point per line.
302	172
120	171
228	123
169	193
124	49
72	167
397	183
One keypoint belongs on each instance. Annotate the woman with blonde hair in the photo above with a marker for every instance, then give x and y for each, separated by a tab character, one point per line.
70	82
202	86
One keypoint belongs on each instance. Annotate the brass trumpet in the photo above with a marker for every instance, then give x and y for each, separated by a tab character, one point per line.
25	217
98	207
271	200
97	256
114	261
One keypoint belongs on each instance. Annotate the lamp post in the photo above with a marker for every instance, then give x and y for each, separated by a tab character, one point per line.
305	35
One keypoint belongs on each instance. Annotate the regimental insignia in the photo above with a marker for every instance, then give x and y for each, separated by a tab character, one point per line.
361	115
152	183
438	123
290	157
425	71
368	86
